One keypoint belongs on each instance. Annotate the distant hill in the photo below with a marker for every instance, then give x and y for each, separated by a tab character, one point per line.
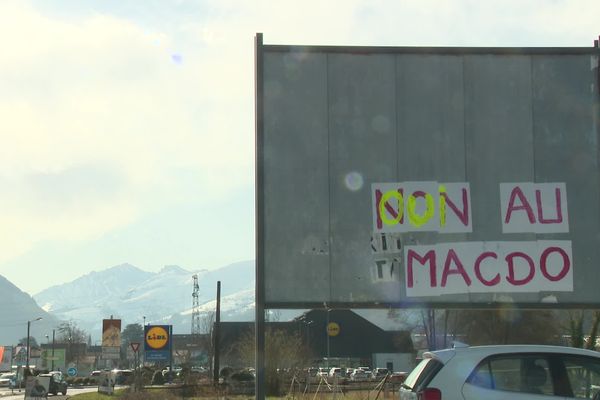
16	308
129	293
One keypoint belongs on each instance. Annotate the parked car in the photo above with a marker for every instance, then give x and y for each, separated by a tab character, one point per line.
397	377
122	376
516	372
324	372
57	383
335	371
379	373
358	375
8	379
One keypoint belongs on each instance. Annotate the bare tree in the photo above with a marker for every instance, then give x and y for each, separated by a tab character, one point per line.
69	333
577	324
207	324
284	351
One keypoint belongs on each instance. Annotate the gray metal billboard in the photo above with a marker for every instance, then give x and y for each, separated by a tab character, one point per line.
441	176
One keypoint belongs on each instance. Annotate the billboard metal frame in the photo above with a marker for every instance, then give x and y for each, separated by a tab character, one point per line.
260	49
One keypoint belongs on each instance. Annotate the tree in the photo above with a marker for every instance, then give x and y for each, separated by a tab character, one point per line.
69	333
207	324
32	342
507	326
133	333
284	351
576	326
489	326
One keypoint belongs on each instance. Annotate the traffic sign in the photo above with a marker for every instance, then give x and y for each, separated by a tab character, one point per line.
134	346
72	371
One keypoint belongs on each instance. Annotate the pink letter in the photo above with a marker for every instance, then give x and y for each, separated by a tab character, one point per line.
563	271
511	269
524	205
452	257
538	199
487	254
464	215
429	257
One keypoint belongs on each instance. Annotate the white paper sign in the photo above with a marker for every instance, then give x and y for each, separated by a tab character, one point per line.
534	207
421	207
483	267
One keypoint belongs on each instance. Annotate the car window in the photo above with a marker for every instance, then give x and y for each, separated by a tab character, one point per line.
583	374
423	374
516	373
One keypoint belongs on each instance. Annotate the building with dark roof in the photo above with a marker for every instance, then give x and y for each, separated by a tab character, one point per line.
349	341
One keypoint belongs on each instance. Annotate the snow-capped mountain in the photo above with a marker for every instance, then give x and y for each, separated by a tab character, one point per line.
129	293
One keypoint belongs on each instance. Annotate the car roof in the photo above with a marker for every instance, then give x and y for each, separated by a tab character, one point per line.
483	351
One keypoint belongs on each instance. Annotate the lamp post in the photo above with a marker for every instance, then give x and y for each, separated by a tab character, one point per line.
28	328
53	332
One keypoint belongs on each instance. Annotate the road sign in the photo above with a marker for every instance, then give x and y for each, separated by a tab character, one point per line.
134	346
72	371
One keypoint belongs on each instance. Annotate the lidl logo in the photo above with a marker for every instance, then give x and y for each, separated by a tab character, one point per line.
333	329
157	337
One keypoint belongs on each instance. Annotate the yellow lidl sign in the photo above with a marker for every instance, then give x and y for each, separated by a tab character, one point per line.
157	337
333	329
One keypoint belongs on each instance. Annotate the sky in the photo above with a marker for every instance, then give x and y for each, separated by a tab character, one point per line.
127	126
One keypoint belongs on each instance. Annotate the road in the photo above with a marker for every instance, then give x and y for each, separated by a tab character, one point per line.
5	394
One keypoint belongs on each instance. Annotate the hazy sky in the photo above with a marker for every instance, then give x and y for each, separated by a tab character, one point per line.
127	126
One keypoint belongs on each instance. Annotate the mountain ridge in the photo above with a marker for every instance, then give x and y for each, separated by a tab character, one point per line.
130	293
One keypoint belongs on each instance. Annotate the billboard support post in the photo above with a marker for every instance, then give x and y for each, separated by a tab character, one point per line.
260	256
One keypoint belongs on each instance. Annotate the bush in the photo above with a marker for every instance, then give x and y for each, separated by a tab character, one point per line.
157	378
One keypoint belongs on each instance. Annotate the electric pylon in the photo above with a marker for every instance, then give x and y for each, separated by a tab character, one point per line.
195	307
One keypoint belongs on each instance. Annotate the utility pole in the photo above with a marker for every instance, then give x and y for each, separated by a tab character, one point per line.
216	342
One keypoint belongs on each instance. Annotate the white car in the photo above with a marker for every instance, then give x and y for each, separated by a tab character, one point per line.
7	379
324	372
358	375
510	372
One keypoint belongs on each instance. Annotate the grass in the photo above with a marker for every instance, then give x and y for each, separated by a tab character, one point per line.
165	394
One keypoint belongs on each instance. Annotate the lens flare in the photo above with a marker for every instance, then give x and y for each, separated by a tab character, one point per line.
354	181
177	59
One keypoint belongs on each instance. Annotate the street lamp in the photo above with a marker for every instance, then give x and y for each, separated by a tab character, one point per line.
53	332
28	328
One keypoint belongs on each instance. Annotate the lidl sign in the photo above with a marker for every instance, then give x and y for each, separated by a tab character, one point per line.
157	342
